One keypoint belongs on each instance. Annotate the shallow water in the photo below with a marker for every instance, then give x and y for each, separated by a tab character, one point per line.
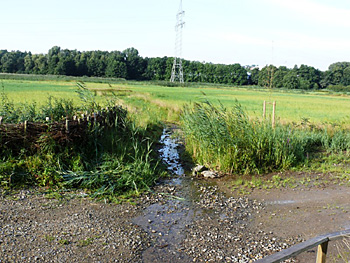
169	153
165	222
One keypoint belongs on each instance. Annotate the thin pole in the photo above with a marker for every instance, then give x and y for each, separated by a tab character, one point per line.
273	114
264	109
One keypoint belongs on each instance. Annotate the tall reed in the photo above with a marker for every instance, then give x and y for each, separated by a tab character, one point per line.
227	140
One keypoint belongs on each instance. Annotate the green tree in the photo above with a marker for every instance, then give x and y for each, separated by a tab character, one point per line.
28	63
136	65
291	80
266	76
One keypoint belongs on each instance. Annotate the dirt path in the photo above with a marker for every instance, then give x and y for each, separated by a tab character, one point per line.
304	212
187	222
308	212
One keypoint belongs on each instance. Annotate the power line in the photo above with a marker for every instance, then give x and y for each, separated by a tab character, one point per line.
177	71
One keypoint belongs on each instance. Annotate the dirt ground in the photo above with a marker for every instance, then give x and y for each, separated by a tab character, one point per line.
305	211
182	220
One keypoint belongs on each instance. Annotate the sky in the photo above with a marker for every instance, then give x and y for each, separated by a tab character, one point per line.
248	32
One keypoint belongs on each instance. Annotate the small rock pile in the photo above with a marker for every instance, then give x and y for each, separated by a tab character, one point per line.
202	171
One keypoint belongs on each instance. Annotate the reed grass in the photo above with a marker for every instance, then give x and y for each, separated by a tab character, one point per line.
229	141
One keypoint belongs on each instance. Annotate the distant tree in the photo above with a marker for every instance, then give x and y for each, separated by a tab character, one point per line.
116	69
279	75
309	77
346	76
53	59
291	80
254	76
266	76
40	64
156	68
28	63
136	65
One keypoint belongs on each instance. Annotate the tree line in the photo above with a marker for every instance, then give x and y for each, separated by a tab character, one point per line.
128	64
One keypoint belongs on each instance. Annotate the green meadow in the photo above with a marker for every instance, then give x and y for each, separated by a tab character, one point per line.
222	127
292	106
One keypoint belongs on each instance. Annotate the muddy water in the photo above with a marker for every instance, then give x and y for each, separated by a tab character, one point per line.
165	221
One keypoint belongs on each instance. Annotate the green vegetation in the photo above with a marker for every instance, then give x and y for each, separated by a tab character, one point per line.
311	132
227	140
110	160
165	103
128	64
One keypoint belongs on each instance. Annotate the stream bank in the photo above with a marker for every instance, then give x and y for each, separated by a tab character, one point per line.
183	219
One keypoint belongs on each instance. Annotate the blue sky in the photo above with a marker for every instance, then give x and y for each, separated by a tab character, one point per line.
260	32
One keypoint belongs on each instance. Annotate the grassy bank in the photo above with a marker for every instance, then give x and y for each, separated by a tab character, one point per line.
108	160
229	141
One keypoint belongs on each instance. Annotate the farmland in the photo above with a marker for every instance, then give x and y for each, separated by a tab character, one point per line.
322	107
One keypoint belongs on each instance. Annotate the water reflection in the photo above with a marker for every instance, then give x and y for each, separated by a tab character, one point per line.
169	153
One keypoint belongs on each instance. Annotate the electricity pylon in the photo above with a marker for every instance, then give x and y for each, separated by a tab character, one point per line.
177	71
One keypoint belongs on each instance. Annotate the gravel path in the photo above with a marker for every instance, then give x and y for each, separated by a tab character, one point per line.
176	223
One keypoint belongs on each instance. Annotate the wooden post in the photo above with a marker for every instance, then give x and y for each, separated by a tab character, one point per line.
67	125
25	126
0	119
273	114
322	252
264	109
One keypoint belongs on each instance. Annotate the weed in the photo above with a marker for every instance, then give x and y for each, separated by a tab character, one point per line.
64	242
85	242
49	238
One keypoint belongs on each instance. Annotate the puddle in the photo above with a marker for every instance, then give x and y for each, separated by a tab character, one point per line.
165	222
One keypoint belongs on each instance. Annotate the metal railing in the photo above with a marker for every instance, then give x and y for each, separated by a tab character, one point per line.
320	241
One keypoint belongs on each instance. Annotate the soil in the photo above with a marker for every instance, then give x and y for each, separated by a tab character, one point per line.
305	211
183	220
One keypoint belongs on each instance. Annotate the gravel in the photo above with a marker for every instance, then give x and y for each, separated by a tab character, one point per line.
185	220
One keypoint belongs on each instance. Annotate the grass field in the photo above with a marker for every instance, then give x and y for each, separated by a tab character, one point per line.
292	106
220	138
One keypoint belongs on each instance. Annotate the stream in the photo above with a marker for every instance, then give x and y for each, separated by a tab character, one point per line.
165	221
190	219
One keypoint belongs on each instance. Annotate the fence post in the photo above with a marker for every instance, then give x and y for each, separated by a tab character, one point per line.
273	114
67	125
25	126
322	252
264	109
